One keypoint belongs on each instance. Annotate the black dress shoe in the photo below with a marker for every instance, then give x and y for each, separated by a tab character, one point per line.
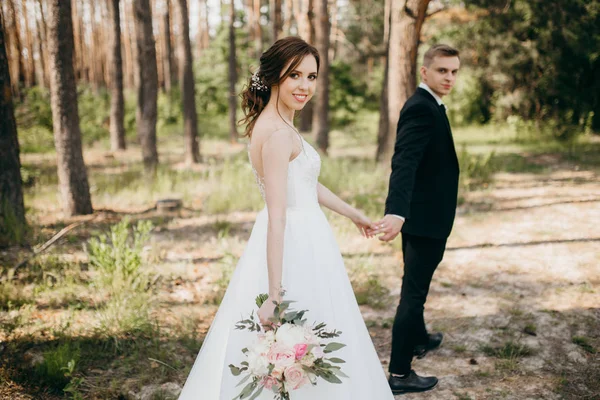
411	383
435	340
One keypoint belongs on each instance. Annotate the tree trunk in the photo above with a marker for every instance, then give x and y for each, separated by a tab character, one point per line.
12	210
18	63
233	134
276	25
167	50
258	39
334	31
128	45
147	81
117	101
72	174
383	128
405	33
30	75
42	35
303	9
288	21
188	89
321	116
204	29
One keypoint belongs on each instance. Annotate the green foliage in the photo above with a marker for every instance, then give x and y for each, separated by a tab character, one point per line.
59	366
367	285
536	59
584	343
118	258
349	95
475	170
236	188
94	111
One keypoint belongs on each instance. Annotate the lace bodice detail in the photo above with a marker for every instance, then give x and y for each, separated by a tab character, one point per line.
303	176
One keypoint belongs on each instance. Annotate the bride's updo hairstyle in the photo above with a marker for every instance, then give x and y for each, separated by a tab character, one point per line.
255	96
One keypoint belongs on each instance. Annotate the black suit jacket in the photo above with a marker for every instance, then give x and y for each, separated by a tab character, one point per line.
424	180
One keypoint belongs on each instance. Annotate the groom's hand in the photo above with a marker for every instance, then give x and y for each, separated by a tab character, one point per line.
389	226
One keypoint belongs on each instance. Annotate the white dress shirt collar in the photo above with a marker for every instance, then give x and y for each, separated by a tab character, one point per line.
437	98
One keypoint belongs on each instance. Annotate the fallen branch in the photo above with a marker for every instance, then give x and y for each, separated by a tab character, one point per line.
47	245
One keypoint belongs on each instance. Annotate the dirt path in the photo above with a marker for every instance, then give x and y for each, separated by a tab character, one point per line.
519	285
521	275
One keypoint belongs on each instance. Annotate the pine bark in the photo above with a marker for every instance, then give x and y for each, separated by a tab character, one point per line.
188	88
147	84
407	19
321	115
233	134
11	190
72	174
115	64
167	50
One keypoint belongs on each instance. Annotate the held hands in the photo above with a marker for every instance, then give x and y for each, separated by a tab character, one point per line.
363	223
389	226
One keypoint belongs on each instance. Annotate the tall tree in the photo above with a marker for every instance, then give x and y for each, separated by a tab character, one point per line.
289	17
407	19
18	64
167	51
128	44
303	10
11	192
115	64
321	116
147	82
30	69
188	88
204	28
72	174
258	39
383	129
233	134
42	50
276	23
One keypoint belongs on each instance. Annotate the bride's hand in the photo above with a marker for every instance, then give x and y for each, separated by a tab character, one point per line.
266	311
363	223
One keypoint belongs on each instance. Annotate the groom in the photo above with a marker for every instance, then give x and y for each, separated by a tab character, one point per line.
421	204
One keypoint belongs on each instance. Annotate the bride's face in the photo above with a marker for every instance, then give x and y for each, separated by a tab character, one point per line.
299	87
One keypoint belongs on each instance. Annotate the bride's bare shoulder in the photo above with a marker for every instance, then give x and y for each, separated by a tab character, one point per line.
264	131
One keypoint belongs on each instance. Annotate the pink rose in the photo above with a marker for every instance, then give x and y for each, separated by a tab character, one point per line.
295	376
281	356
300	350
269	381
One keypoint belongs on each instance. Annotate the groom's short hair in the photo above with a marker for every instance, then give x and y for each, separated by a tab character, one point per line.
439	50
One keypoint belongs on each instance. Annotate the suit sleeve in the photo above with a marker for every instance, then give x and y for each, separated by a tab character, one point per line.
412	137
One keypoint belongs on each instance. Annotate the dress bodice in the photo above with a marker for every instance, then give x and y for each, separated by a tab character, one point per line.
303	176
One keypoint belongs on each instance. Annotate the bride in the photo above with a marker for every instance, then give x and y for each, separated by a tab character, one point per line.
292	246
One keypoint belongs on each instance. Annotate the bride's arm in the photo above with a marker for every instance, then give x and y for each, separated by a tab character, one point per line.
276	152
330	200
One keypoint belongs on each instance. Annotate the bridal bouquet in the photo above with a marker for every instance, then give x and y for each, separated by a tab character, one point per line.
290	355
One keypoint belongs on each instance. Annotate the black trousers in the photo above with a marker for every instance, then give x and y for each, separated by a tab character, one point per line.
421	257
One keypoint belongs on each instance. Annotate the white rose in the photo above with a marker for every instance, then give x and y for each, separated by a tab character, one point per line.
290	335
261	346
257	364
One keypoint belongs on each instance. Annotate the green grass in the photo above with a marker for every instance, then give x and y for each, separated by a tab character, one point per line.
367	284
584	343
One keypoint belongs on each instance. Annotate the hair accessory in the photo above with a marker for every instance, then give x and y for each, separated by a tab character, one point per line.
257	83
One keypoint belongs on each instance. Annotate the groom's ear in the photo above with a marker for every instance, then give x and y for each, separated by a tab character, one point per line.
423	71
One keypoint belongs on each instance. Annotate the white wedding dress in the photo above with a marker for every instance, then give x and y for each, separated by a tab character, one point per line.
314	276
